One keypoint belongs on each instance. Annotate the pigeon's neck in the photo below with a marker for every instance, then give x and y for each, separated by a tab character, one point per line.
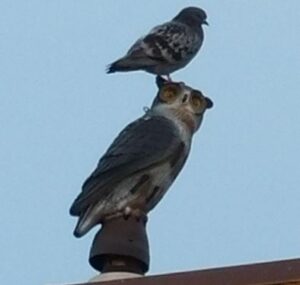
188	21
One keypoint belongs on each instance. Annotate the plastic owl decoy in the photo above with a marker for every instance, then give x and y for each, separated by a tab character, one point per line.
143	161
168	47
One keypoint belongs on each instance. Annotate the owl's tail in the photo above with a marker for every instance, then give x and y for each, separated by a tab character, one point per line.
85	223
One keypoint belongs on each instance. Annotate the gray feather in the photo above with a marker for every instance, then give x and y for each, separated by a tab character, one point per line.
140	145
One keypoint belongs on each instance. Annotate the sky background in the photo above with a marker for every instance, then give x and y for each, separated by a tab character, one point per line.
237	199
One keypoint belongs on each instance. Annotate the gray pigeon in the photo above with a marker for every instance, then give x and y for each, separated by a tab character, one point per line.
167	47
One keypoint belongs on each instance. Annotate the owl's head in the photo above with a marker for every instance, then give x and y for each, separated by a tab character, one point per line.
178	101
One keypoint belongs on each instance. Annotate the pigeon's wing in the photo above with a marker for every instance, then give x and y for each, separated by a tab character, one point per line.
170	42
142	144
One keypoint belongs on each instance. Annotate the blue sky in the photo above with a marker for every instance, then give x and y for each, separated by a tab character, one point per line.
237	199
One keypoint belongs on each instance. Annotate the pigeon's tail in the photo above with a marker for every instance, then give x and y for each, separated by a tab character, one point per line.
127	64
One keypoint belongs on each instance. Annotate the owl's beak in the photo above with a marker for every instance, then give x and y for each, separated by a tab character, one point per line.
184	99
205	23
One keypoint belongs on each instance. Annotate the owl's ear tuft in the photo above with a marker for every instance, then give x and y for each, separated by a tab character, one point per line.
160	81
209	103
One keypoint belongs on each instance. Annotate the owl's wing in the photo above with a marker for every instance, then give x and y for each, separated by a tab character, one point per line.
170	42
142	144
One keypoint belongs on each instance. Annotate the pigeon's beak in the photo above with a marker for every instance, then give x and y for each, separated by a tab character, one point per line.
205	23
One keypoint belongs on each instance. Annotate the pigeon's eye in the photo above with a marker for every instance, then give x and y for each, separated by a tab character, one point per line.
168	93
197	102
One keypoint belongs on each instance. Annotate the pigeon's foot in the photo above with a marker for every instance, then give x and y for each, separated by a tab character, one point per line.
169	78
165	77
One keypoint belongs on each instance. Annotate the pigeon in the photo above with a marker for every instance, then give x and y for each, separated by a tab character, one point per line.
167	47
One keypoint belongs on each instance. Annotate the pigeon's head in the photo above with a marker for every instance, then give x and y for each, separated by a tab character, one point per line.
177	100
192	16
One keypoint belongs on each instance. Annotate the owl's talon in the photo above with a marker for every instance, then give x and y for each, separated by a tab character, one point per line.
127	213
137	214
110	217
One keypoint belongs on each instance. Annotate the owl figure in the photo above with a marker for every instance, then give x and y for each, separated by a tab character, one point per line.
143	161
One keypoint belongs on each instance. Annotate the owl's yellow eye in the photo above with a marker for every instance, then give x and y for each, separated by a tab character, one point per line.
197	102
169	93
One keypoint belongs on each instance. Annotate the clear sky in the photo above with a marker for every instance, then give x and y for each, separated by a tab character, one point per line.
237	199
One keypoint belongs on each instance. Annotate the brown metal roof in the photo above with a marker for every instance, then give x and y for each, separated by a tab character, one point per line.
278	272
